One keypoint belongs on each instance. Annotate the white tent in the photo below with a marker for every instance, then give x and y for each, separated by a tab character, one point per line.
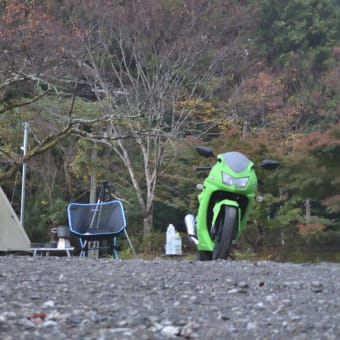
12	235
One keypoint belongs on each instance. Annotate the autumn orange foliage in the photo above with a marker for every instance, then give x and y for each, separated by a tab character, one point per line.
310	229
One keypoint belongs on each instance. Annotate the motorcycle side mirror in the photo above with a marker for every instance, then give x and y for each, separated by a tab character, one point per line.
269	164
204	151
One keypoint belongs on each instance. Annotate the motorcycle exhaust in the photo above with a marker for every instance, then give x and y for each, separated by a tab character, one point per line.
190	225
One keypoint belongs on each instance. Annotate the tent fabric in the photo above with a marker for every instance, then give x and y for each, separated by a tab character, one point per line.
12	235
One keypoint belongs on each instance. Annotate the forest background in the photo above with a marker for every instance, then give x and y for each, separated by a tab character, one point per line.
123	90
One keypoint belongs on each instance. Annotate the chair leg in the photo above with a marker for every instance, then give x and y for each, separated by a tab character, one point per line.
114	248
131	246
83	245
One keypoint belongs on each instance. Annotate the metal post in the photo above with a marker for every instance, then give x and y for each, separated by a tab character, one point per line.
94	252
93	183
23	183
308	211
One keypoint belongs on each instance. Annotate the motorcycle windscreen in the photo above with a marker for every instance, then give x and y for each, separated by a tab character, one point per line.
236	161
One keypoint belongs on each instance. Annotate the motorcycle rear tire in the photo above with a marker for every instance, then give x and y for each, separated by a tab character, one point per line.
225	232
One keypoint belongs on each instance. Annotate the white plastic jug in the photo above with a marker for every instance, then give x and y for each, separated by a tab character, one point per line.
173	244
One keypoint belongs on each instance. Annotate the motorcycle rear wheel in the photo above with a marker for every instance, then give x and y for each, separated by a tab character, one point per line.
226	226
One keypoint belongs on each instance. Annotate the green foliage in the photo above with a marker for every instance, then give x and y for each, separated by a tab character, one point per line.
153	244
87	160
288	213
315	172
271	217
308	28
326	238
41	215
244	104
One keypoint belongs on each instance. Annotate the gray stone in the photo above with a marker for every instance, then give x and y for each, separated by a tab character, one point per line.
73	298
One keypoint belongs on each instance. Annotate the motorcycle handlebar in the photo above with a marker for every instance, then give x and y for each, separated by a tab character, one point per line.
203	168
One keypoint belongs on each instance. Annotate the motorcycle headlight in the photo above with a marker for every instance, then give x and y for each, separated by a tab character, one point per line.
239	182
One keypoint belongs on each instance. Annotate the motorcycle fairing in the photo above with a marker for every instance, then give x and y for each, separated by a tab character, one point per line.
204	240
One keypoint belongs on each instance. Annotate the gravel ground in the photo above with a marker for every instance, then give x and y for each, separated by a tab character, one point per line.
81	298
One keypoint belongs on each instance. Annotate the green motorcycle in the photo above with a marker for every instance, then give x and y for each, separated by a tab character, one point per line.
226	198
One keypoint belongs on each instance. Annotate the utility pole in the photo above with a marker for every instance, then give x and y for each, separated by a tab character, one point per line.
23	182
93	183
94	252
308	211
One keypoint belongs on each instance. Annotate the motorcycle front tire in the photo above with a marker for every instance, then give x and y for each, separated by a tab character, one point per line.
226	227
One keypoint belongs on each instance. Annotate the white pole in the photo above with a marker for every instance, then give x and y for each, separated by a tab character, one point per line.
23	183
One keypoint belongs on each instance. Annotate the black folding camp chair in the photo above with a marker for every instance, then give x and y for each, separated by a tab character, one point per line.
98	221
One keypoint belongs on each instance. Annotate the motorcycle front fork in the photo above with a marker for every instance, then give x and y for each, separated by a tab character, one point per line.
190	224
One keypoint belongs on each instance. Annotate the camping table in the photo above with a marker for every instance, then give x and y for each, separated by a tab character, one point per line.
48	251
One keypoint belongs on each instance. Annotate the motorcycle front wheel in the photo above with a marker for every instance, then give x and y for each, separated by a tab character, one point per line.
226	227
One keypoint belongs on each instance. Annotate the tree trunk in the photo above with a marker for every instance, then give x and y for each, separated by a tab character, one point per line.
147	230
147	222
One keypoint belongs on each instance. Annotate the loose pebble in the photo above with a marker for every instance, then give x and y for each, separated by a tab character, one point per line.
77	298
